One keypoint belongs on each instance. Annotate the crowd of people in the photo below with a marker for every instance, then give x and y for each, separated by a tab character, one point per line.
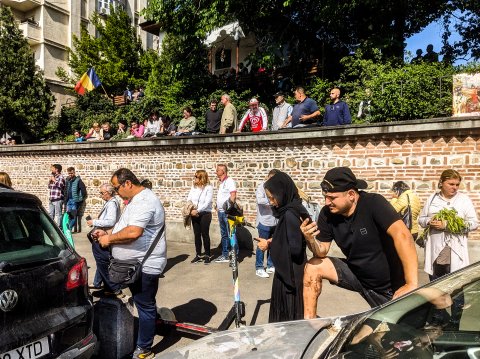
304	113
376	238
378	242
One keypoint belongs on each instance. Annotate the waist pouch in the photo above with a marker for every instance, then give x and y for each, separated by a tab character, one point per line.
124	271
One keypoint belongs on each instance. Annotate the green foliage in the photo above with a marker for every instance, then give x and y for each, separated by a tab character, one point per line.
90	108
454	223
189	18
397	92
25	100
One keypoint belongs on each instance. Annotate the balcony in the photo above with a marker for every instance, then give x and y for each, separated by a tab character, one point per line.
31	31
22	5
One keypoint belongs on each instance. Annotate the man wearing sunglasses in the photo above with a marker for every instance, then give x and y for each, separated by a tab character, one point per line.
139	224
381	261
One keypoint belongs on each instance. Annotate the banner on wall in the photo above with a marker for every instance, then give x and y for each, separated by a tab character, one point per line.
466	93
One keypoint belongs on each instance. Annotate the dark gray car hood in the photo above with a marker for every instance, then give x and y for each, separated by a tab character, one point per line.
277	340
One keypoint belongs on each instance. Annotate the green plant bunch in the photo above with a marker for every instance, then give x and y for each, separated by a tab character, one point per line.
455	224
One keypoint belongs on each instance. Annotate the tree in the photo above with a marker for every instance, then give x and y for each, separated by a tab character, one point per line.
116	53
25	100
397	92
464	17
326	30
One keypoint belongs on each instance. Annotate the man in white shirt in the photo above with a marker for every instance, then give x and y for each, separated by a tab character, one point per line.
266	223
140	223
281	112
227	190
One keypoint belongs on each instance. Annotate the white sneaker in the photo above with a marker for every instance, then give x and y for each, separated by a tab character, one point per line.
270	270
261	273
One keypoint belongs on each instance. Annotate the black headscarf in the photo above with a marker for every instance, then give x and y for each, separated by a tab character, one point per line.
283	189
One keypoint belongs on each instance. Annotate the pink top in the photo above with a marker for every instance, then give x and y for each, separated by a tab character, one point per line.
138	132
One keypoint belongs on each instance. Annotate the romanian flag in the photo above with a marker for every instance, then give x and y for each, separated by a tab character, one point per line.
88	82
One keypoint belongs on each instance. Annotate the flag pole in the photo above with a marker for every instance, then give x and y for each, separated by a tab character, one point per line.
105	91
93	67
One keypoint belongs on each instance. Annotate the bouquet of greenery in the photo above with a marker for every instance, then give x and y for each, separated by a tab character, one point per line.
454	224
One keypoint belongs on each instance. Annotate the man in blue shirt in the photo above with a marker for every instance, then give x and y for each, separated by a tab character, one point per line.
305	112
337	113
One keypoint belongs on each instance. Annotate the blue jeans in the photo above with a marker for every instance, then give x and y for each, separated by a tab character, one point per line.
144	292
55	211
102	258
265	232
224	233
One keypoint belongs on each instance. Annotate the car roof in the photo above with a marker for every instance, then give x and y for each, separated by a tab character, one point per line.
9	195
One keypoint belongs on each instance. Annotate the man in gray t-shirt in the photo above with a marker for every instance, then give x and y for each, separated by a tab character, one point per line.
137	228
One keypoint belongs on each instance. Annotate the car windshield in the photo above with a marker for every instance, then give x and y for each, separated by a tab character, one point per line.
27	235
438	320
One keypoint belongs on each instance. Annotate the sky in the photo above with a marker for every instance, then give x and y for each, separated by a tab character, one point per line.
432	34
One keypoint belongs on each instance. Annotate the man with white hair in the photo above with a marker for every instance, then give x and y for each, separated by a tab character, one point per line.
107	218
256	116
229	115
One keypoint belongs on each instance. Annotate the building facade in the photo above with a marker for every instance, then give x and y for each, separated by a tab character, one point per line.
49	26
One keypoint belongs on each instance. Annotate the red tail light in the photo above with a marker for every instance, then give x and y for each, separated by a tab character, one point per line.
78	275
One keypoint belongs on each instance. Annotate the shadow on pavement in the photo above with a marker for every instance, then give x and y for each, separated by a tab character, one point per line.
172	262
198	311
260	302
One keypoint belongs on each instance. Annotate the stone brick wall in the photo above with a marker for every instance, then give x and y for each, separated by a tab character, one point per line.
415	152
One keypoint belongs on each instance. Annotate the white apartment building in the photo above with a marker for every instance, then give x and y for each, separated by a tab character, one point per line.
49	25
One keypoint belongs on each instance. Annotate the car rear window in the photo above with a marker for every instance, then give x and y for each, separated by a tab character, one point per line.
27	235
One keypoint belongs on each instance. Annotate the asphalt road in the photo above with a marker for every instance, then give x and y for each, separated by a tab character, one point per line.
203	294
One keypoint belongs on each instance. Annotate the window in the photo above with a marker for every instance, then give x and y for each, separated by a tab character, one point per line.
84	9
27	235
441	320
223	59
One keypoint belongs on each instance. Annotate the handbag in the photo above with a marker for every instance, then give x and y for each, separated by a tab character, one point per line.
128	271
407	215
90	236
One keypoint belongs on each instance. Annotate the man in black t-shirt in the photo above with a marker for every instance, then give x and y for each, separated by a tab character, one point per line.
213	117
381	261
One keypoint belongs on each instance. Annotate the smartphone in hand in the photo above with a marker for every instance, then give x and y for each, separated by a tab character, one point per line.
256	239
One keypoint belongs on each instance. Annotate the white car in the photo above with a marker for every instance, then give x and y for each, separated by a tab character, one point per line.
438	320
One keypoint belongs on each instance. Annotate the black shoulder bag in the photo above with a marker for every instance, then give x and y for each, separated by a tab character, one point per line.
128	271
407	215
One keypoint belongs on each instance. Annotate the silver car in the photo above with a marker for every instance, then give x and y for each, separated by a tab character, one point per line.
438	320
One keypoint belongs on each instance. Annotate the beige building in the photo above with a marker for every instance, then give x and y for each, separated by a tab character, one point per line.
49	25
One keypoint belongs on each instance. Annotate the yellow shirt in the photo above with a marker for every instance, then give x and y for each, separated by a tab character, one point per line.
400	204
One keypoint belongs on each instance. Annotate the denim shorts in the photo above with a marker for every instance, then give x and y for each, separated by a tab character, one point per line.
348	280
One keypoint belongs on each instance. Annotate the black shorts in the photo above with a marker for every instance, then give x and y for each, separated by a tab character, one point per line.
348	280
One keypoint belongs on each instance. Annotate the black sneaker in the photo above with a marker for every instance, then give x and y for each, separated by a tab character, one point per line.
140	353
206	260
196	259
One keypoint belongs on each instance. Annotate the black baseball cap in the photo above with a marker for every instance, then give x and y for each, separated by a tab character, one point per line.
279	93
341	179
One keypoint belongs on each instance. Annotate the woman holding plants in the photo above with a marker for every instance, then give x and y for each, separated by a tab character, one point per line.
447	217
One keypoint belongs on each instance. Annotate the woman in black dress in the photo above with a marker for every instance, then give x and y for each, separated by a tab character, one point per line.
287	249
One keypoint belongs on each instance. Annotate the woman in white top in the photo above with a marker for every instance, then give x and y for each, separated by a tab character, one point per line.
446	252
201	196
452	248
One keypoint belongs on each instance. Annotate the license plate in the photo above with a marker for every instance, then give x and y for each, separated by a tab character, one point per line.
30	351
